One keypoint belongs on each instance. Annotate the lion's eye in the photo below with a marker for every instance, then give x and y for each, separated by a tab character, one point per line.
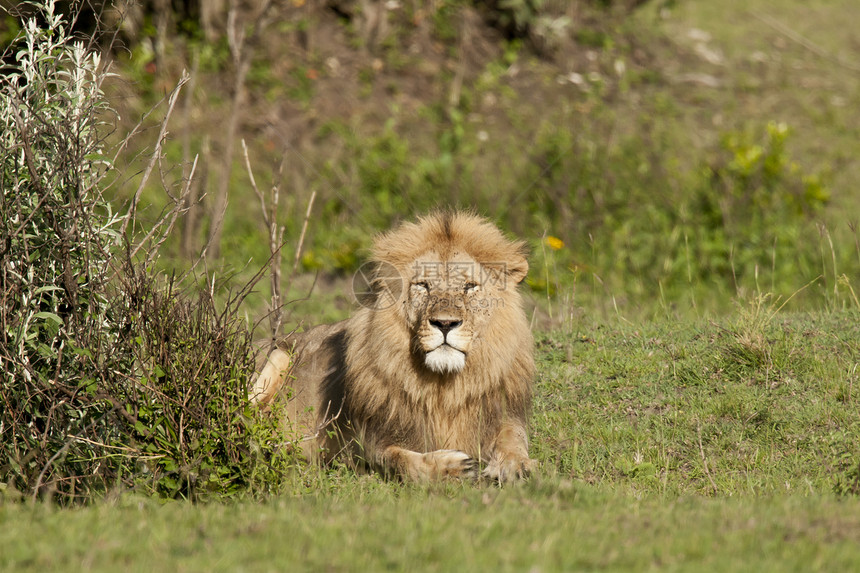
470	287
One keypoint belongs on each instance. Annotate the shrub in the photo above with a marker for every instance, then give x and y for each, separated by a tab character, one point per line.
55	256
111	377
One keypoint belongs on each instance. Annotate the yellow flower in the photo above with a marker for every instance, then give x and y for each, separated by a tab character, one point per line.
554	243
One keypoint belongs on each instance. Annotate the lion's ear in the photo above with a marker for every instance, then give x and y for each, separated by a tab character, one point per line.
517	269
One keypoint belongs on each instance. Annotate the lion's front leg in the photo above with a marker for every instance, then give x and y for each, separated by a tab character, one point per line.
509	454
427	467
271	379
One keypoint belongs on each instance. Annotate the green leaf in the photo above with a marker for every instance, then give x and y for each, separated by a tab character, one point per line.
48	316
78	351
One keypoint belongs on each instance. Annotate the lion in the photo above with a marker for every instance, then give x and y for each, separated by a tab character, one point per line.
432	378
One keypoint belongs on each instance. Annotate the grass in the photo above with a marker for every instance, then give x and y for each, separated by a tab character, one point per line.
674	446
539	527
741	409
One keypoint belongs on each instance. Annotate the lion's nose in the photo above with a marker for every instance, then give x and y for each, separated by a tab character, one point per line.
446	326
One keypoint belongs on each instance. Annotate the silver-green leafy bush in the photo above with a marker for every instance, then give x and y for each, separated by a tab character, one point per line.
57	232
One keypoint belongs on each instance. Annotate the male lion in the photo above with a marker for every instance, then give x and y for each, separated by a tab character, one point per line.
433	375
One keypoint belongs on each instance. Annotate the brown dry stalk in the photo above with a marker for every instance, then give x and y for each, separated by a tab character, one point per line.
276	238
302	236
156	154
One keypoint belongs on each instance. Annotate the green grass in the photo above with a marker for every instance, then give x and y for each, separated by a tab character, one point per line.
543	526
662	445
745	408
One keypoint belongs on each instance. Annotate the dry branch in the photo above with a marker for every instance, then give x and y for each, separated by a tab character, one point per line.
156	155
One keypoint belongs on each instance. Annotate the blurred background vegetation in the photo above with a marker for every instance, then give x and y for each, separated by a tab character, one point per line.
665	152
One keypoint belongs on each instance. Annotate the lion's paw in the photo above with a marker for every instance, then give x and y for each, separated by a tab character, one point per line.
441	464
508	469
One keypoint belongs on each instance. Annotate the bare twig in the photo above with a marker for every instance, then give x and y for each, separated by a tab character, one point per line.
256	189
156	154
194	215
182	205
276	239
105	446
803	41
302	236
135	130
276	243
62	451
325	422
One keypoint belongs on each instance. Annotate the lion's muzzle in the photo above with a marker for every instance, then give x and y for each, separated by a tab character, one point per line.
445	343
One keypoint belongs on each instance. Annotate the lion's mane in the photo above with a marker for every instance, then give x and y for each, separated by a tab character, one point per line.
391	391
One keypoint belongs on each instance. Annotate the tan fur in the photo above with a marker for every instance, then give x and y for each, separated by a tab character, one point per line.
433	385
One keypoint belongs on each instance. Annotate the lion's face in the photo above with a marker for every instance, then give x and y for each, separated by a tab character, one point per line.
449	303
458	308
